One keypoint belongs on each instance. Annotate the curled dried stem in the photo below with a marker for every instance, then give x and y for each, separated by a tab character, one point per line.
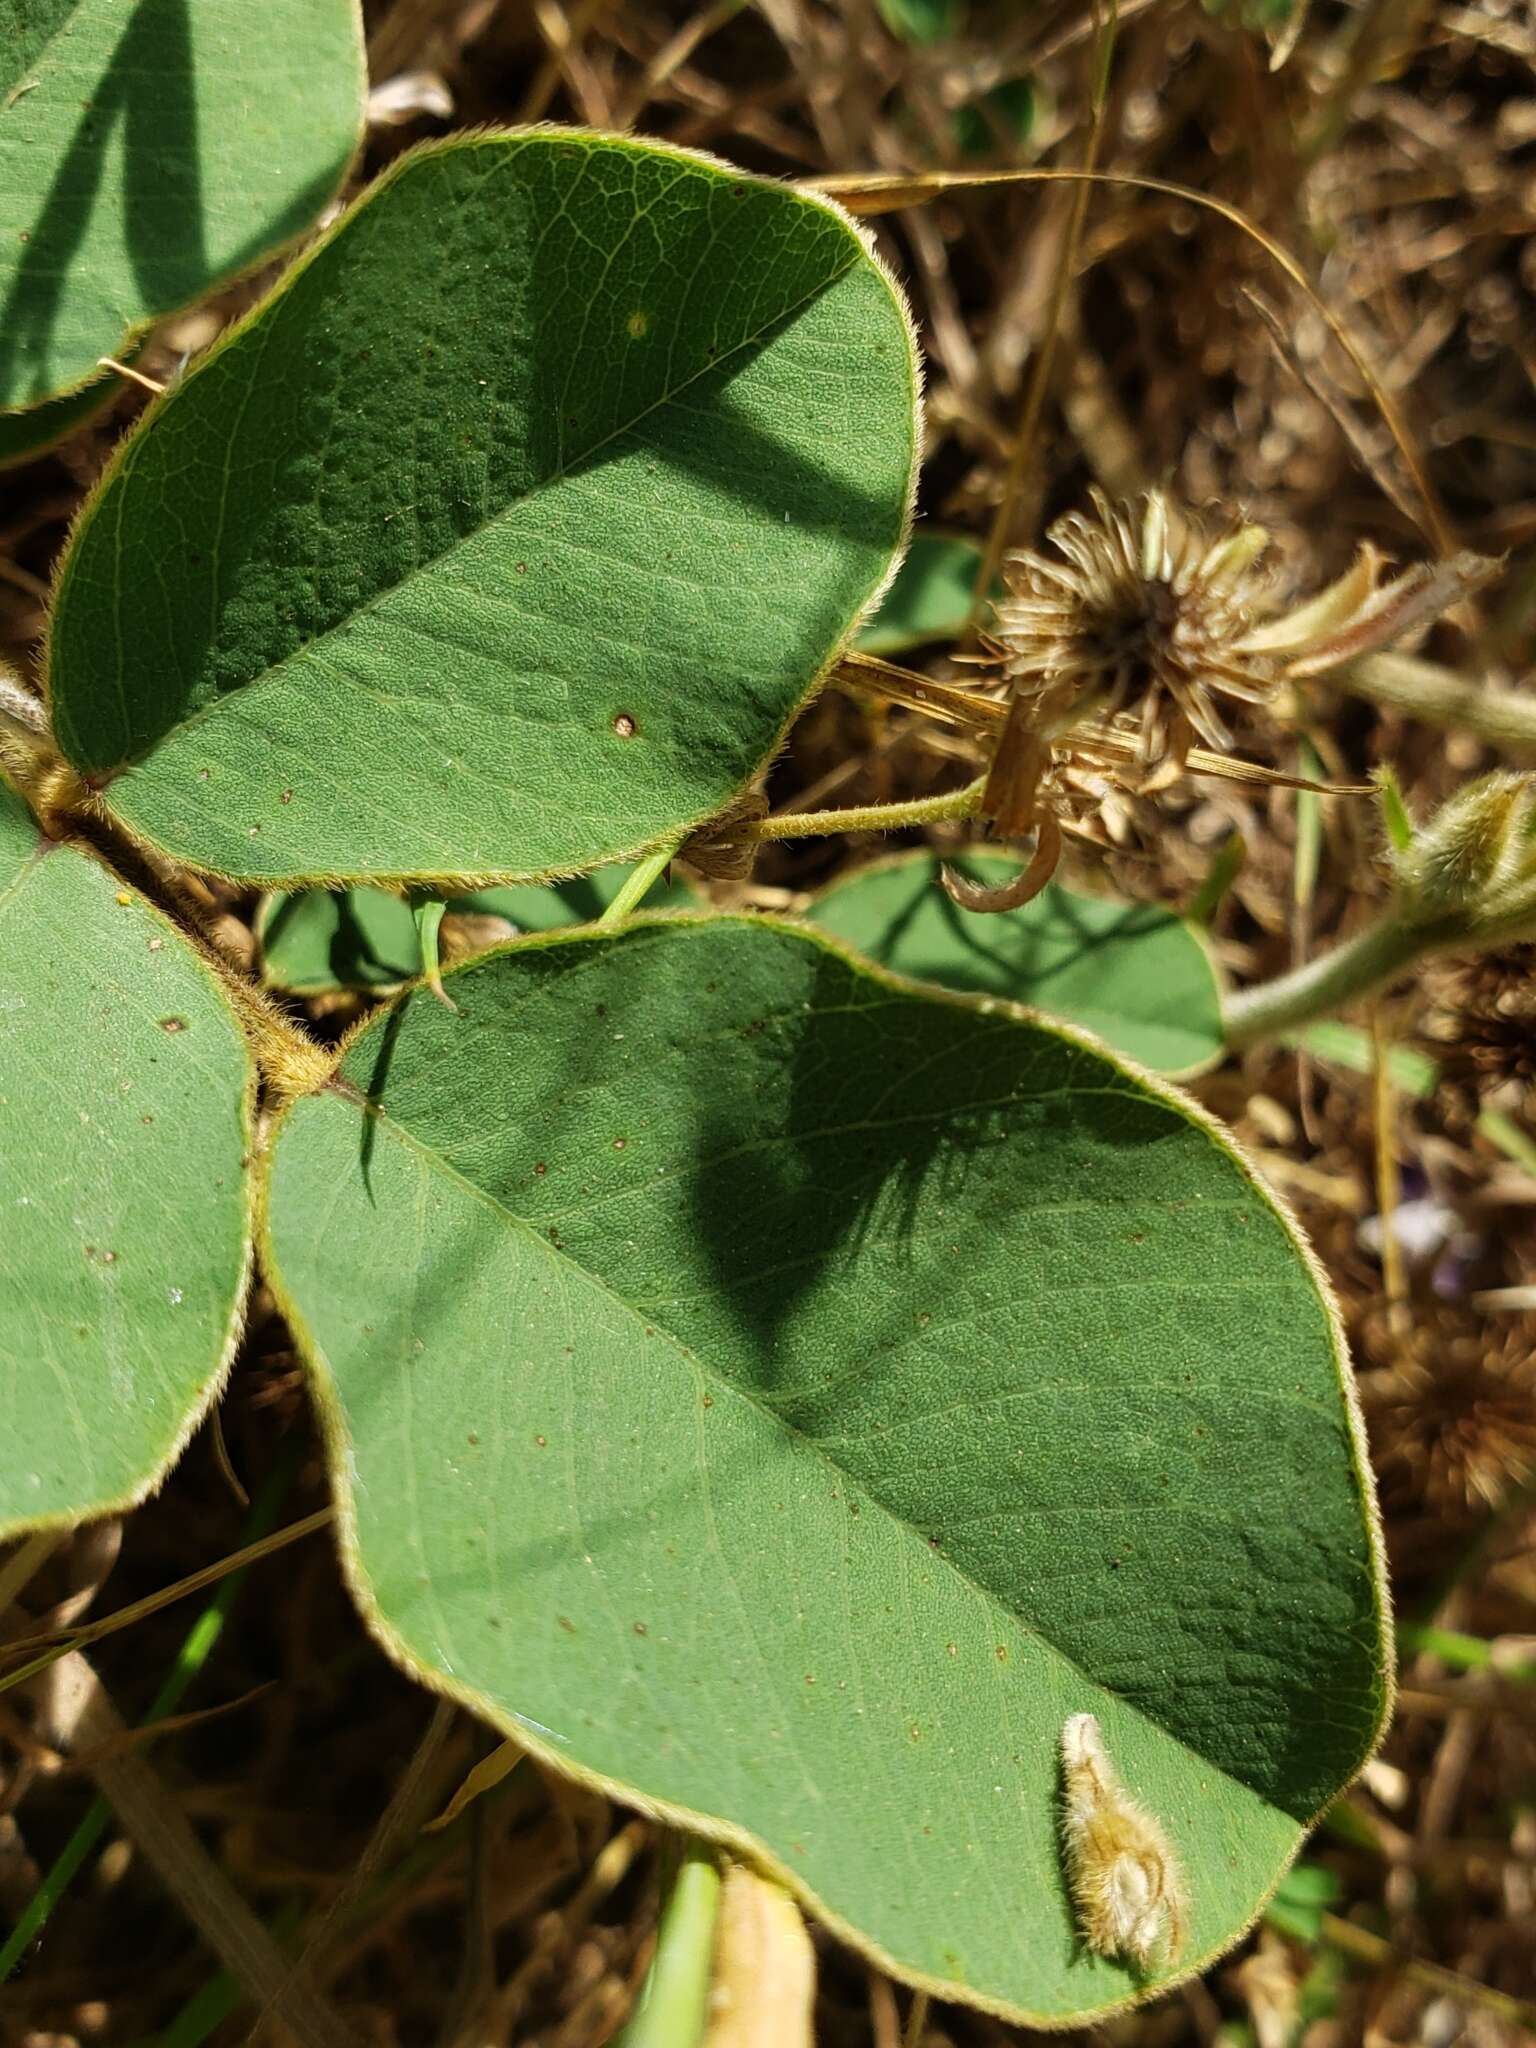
1024	887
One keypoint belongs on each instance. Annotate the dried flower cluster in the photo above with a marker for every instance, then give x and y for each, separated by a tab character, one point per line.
1136	609
1452	1407
1133	623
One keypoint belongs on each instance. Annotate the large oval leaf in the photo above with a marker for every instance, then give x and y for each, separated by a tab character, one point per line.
513	528
1135	974
149	150
125	1098
783	1396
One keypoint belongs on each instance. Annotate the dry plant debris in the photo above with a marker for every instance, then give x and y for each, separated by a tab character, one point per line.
1393	151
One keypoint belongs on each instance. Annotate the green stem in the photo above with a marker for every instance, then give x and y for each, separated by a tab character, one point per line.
674	1999
428	913
1461	1652
1440	697
639	882
1377	1954
1511	1140
194	1653
926	810
1223	871
1324	985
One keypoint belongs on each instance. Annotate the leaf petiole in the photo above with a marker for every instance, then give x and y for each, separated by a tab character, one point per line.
429	923
639	883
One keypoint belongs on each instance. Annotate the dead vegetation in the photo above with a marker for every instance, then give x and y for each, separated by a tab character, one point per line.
1078	337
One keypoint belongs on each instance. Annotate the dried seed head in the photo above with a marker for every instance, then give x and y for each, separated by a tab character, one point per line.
1136	610
1486	1019
1124	1878
1128	626
1452	1407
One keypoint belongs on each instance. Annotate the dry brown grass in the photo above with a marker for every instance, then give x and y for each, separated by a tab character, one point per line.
1395	155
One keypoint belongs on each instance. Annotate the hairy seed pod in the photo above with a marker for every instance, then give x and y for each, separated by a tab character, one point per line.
1124	1877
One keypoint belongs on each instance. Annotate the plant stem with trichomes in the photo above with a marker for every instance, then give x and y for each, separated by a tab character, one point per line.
1320	987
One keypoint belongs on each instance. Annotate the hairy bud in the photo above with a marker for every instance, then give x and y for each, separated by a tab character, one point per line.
1124	1877
1475	862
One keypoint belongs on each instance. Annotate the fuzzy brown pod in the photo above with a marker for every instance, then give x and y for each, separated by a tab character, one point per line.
1125	1879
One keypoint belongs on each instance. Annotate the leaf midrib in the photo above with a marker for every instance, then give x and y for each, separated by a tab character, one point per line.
434	563
344	1091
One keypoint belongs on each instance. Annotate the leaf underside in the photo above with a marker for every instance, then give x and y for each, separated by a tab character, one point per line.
507	536
124	1087
26	434
149	151
784	1396
1132	973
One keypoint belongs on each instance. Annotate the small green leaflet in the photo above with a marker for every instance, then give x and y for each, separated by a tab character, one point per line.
125	1105
363	938
147	152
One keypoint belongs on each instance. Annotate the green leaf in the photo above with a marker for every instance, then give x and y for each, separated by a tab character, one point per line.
1345	1045
1226	865
125	1101
514	526
923	21
1000	119
930	598
1133	973
364	938
1513	1141
781	1395
1305	1894
1253	14
1394	809
149	151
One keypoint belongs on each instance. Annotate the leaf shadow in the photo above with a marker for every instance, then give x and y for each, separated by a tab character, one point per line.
378	1079
853	1168
700	432
1017	953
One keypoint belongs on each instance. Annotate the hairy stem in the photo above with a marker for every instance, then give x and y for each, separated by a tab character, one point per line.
925	810
20	707
1439	696
1322	986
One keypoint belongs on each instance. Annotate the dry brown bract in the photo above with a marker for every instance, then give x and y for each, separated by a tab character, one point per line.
1135	609
1487	1019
